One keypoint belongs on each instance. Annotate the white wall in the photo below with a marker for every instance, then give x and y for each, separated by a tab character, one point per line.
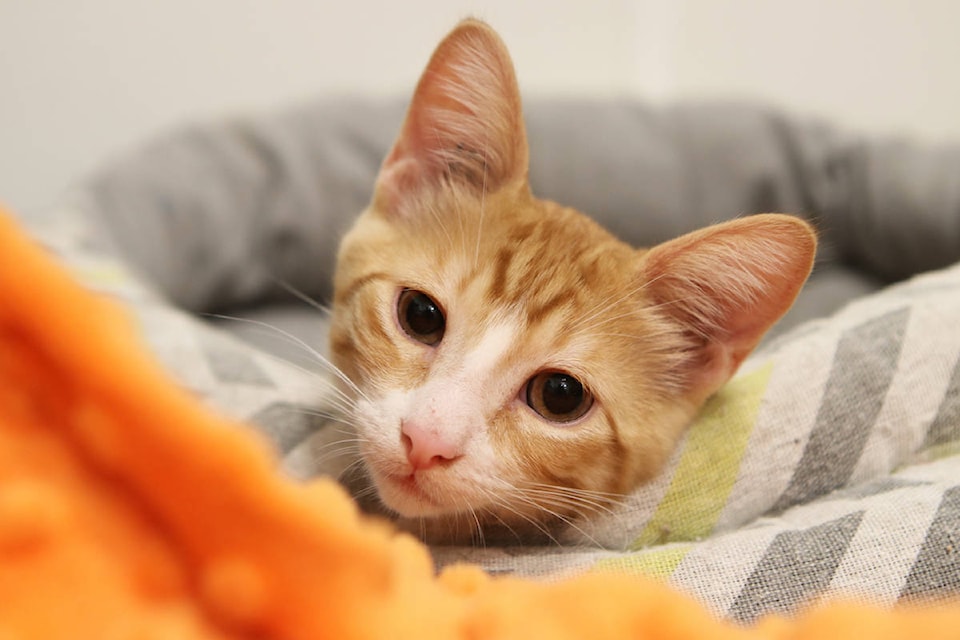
82	80
879	65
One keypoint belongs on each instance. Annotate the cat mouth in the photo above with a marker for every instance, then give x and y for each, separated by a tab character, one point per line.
409	484
409	496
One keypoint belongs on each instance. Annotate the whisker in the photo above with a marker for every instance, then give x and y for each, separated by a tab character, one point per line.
610	495
562	518
483	201
369	489
366	492
303	297
506	525
506	505
336	453
441	223
582	506
350	438
598	308
479	530
343	407
299	342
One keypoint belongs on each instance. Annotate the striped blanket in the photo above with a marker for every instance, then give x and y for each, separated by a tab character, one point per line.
828	466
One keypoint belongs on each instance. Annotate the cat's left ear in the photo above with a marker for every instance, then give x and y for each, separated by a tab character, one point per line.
725	286
464	124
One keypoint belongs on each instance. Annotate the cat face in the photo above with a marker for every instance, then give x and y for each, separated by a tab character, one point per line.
516	366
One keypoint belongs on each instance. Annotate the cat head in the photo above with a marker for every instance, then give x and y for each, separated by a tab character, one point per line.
515	364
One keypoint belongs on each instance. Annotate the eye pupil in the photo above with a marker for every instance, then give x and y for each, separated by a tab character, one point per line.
558	396
420	317
423	316
562	394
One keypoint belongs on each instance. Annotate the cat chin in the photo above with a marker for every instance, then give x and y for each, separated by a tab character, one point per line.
407	498
436	525
479	530
414	496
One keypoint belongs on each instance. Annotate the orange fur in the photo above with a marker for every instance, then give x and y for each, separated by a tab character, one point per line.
650	334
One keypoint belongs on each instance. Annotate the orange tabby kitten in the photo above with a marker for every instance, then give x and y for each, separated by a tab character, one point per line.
516	366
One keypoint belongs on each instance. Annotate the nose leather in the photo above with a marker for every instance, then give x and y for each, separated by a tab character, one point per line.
426	446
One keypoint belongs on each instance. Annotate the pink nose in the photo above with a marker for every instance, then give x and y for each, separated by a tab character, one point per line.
426	446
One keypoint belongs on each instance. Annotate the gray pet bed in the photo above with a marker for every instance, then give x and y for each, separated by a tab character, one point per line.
829	465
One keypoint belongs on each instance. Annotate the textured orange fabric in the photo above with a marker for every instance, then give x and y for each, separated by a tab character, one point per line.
127	510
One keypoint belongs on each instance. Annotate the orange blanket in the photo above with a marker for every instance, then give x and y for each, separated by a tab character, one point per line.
128	510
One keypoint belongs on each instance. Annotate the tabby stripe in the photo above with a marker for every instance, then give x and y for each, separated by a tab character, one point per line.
709	464
535	314
863	369
501	273
936	570
797	566
372	324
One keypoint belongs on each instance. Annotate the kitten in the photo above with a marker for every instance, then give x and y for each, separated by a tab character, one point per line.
516	367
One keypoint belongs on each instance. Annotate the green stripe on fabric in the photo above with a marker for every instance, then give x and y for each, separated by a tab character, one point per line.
941	451
657	563
709	464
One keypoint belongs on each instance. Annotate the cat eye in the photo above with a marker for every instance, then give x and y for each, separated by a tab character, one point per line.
558	396
420	317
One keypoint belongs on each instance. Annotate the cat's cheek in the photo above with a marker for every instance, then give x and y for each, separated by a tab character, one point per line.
406	497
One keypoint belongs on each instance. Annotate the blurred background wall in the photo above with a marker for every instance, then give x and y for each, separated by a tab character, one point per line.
82	80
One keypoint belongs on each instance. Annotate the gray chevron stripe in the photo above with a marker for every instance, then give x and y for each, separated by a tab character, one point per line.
936	570
863	368
797	566
946	426
233	365
287	424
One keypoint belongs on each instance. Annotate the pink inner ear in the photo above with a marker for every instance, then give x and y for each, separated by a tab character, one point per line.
728	284
464	122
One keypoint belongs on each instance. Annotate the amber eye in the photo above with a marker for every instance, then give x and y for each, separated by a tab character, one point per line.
558	396
420	317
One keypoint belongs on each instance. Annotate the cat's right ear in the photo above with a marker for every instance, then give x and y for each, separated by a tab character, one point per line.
464	124
724	287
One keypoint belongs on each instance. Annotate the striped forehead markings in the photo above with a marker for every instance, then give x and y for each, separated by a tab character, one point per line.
501	273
